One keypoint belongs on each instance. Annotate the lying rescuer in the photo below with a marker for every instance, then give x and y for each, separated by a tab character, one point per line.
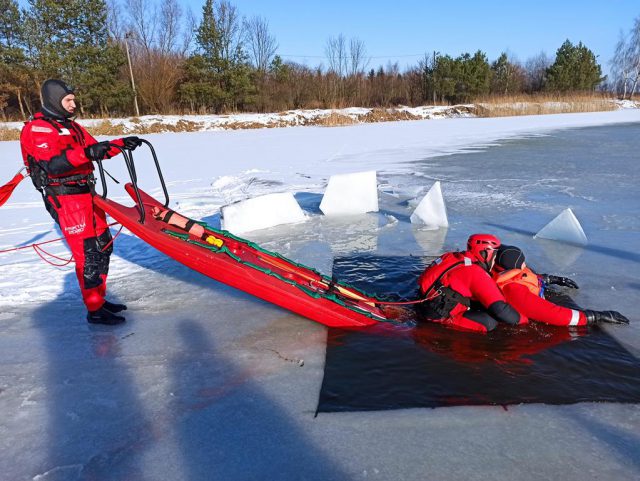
58	154
524	290
460	292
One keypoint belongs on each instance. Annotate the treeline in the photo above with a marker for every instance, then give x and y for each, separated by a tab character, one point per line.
136	57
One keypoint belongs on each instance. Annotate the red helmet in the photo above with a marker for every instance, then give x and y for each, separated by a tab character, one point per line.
483	247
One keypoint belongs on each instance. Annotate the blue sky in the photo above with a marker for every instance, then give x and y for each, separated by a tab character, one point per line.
395	30
403	30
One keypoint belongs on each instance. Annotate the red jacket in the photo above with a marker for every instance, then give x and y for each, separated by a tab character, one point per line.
56	149
466	278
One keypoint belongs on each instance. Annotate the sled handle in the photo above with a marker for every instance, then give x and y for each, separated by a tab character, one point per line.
103	180
160	176
131	168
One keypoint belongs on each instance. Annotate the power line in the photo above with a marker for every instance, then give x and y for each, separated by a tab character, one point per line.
348	56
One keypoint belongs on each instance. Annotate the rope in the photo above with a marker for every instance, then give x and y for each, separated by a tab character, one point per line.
37	247
401	303
30	245
113	238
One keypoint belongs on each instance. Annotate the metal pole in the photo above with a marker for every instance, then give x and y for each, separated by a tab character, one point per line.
434	77
133	84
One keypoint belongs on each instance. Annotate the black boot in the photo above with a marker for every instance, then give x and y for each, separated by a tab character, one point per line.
103	316
112	307
611	317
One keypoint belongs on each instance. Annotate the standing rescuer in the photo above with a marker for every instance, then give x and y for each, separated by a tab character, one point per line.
460	293
58	154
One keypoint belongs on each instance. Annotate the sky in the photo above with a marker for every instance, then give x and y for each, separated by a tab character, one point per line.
404	30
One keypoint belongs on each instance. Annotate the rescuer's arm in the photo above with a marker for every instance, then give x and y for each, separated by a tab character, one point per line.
486	292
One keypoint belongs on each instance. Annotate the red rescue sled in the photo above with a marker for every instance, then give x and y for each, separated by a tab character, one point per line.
244	265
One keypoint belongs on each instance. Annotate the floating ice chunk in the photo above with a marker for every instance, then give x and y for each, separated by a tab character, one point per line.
349	194
431	210
261	212
564	228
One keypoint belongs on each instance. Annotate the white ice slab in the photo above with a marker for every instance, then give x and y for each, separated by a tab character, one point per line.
564	228
261	212
431	210
349	194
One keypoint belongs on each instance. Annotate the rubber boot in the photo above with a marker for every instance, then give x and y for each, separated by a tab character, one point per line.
103	316
611	317
113	307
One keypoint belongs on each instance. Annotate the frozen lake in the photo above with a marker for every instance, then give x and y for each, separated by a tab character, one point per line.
204	382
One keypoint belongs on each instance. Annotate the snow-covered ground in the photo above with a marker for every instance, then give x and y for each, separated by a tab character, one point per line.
203	382
292	118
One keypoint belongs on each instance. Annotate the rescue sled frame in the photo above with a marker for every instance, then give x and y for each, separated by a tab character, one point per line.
127	154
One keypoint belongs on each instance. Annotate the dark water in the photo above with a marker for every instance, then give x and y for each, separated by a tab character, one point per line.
427	365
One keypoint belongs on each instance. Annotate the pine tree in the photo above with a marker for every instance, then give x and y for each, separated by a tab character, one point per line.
218	76
507	76
575	69
14	73
69	40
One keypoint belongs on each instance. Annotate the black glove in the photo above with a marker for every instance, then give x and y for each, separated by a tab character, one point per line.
559	281
612	317
97	151
131	142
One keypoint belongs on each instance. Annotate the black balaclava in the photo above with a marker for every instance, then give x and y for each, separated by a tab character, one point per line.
53	91
510	257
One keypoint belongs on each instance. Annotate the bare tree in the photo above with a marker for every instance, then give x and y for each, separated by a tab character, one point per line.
143	18
536	71
357	56
158	50
336	52
634	55
190	25
230	29
262	45
170	17
114	20
621	66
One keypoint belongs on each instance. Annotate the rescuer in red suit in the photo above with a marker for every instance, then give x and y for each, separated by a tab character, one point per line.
460	293
524	290
58	154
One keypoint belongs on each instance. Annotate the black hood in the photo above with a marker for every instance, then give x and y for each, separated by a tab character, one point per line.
510	257
53	91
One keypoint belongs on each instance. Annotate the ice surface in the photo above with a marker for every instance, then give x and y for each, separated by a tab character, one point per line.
431	210
261	212
349	194
565	227
198	384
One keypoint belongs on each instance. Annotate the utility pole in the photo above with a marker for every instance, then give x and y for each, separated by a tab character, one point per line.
433	66
133	83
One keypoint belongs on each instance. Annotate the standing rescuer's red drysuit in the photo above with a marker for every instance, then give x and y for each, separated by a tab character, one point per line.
524	290
58	154
461	293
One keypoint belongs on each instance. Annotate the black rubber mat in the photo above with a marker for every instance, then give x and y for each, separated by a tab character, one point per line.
395	367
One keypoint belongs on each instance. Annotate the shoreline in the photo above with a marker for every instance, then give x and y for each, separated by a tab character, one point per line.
151	124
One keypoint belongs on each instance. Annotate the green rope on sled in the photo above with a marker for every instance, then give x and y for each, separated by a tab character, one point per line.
224	250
